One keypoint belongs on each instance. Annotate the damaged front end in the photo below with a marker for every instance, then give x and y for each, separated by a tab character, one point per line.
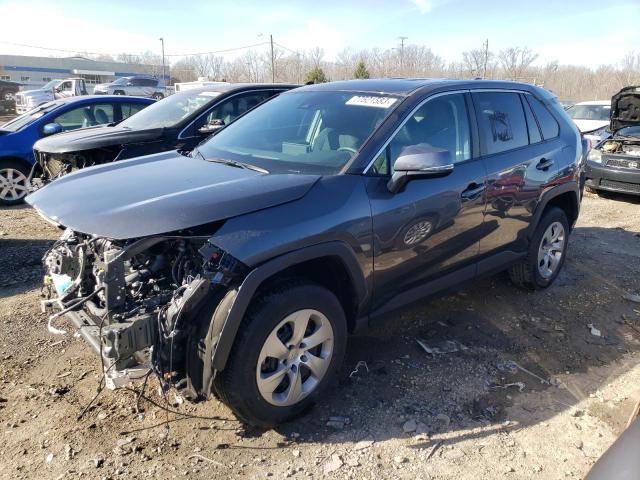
51	166
136	302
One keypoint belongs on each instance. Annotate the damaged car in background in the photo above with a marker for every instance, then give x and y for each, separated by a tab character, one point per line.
180	121
614	164
239	270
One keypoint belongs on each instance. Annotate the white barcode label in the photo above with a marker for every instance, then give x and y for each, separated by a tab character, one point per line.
363	101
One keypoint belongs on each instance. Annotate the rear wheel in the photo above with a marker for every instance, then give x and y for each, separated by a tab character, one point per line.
157	96
14	182
118	92
288	349
546	253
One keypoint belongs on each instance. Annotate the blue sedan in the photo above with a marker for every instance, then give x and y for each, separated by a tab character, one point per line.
18	135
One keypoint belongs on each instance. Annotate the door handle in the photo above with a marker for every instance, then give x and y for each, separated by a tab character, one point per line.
544	164
472	192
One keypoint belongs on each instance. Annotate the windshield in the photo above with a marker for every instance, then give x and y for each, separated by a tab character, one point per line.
120	81
590	112
302	132
168	112
50	85
29	117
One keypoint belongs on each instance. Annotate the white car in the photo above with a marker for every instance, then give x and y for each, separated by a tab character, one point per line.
590	117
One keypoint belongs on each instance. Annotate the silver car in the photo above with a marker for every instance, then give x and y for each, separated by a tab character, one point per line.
136	86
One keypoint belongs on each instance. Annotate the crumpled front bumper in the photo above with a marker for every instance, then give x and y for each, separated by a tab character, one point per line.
110	341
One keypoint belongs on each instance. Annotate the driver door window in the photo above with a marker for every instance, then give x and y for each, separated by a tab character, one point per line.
65	87
230	109
89	116
442	123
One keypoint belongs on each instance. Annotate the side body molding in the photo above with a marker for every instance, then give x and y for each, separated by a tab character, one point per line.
261	273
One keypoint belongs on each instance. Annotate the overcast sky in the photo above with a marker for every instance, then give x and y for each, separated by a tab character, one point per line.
580	32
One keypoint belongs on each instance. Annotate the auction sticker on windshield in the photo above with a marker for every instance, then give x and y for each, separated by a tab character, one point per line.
364	101
209	94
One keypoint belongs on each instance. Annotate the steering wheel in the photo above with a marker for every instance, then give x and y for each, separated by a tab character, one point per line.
347	149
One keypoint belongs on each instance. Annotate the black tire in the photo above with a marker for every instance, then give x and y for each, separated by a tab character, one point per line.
590	189
237	386
526	273
20	167
118	92
157	96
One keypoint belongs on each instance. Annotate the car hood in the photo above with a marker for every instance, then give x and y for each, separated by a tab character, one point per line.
161	193
590	125
97	137
625	108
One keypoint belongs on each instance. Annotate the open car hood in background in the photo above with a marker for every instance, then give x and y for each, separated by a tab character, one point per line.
625	108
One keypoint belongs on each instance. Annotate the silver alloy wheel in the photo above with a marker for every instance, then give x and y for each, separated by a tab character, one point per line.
417	232
295	357
551	249
13	184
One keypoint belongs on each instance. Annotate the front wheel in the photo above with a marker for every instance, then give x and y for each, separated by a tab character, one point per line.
288	349
546	254
157	96
14	182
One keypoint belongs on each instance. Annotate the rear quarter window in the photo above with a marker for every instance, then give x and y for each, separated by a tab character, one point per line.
548	124
501	121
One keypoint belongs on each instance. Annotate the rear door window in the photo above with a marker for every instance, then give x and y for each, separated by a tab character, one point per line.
548	124
501	121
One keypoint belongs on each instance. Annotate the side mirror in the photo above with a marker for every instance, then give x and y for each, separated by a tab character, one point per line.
211	127
51	129
419	161
129	84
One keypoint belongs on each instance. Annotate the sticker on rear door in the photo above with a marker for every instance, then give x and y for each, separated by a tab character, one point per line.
364	101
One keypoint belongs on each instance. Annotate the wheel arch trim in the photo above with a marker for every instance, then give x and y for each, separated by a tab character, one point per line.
260	274
548	196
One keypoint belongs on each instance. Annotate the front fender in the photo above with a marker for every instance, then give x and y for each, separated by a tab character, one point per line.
259	275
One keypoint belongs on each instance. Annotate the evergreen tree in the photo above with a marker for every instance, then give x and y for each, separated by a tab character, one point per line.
361	71
316	76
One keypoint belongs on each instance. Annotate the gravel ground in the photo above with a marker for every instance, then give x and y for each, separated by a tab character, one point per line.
525	391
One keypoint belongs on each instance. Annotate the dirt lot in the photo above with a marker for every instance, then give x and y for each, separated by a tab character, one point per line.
472	413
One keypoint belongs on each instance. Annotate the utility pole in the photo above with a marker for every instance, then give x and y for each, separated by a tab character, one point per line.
486	57
164	75
402	39
273	62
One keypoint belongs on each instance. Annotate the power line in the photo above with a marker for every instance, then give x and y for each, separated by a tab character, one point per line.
218	51
116	54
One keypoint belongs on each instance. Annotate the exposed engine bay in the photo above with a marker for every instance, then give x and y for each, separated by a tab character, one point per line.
55	165
136	301
629	147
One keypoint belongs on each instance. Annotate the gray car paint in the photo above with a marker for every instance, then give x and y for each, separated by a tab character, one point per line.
350	208
161	193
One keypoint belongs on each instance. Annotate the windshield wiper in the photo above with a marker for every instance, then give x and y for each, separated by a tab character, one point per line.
231	163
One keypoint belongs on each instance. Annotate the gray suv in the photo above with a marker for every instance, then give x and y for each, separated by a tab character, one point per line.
136	86
239	269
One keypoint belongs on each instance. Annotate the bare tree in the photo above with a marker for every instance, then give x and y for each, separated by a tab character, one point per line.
515	61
